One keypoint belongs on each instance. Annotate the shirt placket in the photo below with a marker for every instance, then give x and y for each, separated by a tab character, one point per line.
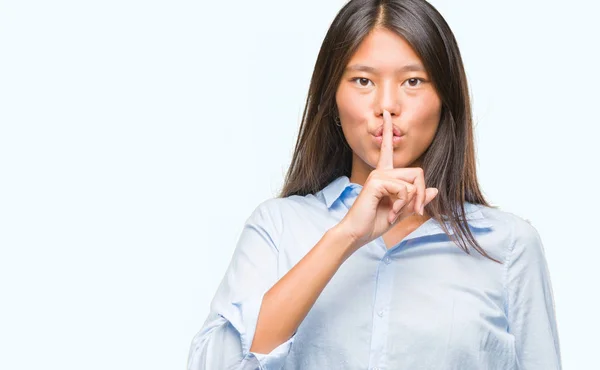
381	309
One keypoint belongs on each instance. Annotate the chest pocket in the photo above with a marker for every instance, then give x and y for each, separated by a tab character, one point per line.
467	331
479	329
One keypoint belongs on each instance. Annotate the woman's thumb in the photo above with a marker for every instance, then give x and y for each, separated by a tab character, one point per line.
430	193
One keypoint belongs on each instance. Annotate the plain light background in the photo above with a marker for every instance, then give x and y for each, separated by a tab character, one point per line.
136	137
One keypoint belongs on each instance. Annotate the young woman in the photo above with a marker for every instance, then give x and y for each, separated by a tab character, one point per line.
365	260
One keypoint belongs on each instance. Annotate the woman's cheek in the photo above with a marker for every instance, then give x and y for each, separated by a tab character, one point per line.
423	112
346	102
357	106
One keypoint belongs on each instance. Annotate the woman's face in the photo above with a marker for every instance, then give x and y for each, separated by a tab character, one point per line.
386	74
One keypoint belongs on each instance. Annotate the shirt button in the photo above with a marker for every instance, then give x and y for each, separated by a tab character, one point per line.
387	260
380	313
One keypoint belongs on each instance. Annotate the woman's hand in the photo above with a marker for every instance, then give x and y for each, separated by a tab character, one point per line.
388	195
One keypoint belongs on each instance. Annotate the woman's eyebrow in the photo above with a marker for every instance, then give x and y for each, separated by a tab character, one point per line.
365	68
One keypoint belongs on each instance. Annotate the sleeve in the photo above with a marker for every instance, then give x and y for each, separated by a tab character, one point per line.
226	336
530	302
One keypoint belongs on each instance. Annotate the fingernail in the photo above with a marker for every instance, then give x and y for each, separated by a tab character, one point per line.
422	209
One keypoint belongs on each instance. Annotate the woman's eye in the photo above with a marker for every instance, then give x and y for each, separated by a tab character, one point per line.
364	82
414	82
361	81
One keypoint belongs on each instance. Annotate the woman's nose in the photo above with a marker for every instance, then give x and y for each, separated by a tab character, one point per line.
389	99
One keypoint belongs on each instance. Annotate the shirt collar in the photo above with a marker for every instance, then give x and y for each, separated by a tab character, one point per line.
334	190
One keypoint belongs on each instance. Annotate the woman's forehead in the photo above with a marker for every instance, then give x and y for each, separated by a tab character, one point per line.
384	51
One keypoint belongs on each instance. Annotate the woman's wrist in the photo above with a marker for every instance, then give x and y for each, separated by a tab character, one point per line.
345	239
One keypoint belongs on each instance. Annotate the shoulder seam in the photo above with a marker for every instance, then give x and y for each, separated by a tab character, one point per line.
267	213
507	261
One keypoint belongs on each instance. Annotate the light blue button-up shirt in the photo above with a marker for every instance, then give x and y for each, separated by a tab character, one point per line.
422	304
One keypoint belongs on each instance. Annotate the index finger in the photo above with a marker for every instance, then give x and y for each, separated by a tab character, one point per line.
386	154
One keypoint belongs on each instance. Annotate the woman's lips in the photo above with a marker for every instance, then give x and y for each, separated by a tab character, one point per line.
379	139
396	131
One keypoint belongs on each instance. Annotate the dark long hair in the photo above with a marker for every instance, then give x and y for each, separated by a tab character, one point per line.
322	154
